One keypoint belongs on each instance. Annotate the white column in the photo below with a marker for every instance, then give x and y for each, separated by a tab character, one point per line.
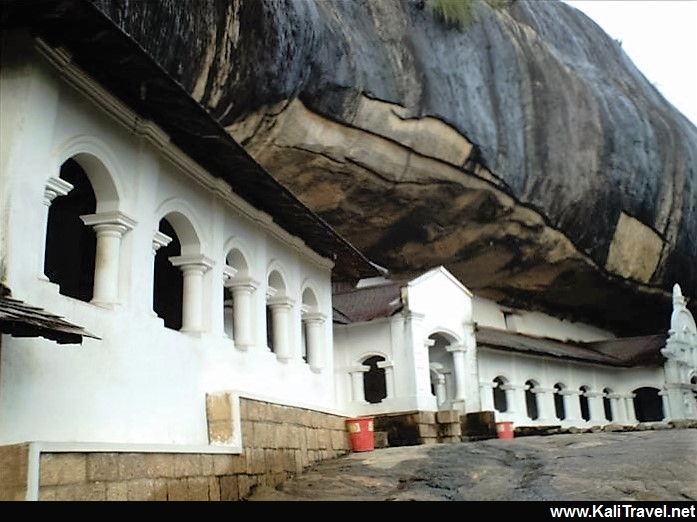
629	409
460	370
486	394
193	267
515	399
545	405
357	389
55	187
441	390
280	315
242	291
314	324
389	378
109	227
617	407
667	412
573	407
471	395
596	408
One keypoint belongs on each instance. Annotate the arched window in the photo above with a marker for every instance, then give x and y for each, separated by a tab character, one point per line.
442	368
559	406
69	259
169	281
531	400
583	401
693	381
648	404
374	383
178	274
500	399
607	404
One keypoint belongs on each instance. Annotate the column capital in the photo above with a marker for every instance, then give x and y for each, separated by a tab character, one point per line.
228	273
456	348
509	386
114	221
593	395
195	262
280	303
242	283
539	389
358	369
314	317
55	187
489	384
569	392
429	342
160	240
385	364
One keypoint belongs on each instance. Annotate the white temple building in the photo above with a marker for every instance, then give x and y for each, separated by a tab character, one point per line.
430	344
195	295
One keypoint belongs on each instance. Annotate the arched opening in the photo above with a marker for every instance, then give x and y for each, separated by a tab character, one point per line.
607	404
374	383
277	311
500	399
236	282
648	404
69	259
559	406
441	368
693	381
168	285
531	400
583	401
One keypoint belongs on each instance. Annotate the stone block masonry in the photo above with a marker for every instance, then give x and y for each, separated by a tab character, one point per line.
278	442
14	463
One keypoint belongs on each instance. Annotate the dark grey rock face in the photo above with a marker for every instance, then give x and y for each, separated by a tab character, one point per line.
524	151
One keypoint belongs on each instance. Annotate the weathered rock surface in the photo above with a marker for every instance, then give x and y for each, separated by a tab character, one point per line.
598	466
523	151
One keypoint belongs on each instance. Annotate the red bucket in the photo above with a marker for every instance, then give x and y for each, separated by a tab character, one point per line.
360	431
504	430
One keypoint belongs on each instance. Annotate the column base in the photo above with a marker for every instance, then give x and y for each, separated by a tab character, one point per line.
104	304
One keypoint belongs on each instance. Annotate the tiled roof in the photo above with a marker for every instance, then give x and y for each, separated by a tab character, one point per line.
19	319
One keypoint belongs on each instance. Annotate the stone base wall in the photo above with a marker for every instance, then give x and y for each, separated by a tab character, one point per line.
420	427
279	442
14	465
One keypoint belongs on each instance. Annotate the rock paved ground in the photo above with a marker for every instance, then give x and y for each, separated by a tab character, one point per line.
648	465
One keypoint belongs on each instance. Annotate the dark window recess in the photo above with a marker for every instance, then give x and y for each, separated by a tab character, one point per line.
500	400
585	410
269	329
559	409
374	384
70	244
169	281
648	405
531	401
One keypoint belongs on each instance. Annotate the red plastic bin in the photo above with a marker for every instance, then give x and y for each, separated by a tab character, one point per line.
361	433
504	430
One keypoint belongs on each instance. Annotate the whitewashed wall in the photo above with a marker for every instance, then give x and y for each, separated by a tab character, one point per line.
488	313
141	382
